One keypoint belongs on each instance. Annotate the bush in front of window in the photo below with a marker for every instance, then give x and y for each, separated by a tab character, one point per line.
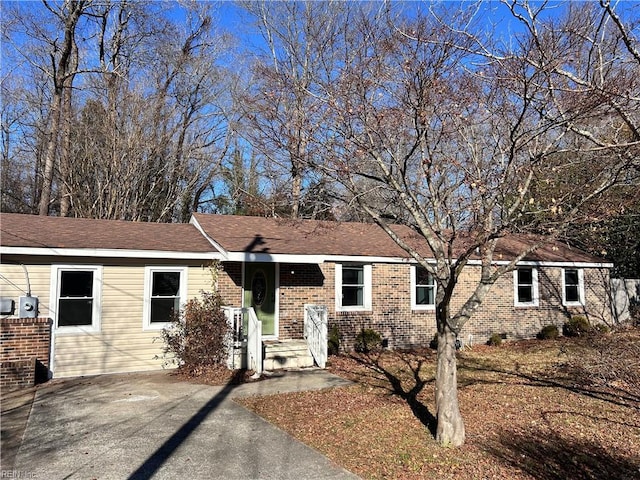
576	326
602	328
549	332
367	340
196	338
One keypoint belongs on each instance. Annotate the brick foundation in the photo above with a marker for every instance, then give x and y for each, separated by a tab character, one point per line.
24	351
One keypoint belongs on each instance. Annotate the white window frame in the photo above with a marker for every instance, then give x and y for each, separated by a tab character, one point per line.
96	311
535	293
148	285
581	297
414	286
366	295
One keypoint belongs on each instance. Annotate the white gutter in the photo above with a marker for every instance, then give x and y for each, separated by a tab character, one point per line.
109	253
274	258
369	259
317	259
541	263
224	256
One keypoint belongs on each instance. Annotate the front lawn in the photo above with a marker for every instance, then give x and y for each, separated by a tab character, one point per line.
555	409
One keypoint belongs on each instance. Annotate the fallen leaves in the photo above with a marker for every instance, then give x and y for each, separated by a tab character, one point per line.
526	416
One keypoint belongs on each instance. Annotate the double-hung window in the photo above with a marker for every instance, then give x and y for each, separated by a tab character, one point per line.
165	290
423	289
353	287
525	280
573	286
76	292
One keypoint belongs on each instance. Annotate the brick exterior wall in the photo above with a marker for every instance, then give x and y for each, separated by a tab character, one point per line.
24	351
391	314
230	283
498	314
301	284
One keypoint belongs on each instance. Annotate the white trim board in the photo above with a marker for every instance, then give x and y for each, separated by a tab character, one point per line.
259	257
109	253
193	221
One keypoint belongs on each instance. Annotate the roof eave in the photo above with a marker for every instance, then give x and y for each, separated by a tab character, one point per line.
555	263
109	253
316	259
264	257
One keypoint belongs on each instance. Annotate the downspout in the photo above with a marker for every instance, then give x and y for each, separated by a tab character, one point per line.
26	277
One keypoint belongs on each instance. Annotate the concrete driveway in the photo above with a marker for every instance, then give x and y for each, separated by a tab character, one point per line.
144	426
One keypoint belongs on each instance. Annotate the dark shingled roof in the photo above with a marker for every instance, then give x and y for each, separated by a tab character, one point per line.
297	237
314	237
36	231
246	234
556	251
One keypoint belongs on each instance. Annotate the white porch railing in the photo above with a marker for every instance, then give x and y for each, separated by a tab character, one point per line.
246	330
235	337
235	321
254	341
315	331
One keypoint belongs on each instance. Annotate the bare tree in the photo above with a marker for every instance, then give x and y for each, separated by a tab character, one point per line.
283	104
137	109
160	112
17	188
62	70
242	194
435	126
41	42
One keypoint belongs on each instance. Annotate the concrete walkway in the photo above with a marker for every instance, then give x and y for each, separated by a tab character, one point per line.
143	426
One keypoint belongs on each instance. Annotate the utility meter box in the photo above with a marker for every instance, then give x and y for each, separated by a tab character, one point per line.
28	307
7	306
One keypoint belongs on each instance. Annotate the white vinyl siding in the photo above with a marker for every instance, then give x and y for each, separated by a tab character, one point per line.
15	282
123	344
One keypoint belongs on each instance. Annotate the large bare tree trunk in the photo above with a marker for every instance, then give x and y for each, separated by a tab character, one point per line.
50	155
62	79
450	429
296	192
66	115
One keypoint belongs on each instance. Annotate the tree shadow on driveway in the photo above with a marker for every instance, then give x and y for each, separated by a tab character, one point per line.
155	461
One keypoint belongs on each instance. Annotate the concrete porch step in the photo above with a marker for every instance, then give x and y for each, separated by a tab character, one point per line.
286	354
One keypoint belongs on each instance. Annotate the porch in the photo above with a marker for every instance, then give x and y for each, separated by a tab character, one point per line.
248	349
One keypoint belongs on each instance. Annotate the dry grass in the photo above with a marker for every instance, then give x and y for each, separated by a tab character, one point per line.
532	411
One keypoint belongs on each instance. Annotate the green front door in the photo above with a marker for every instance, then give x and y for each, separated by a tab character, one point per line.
260	293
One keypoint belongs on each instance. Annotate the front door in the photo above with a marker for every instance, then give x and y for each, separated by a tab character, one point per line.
260	293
